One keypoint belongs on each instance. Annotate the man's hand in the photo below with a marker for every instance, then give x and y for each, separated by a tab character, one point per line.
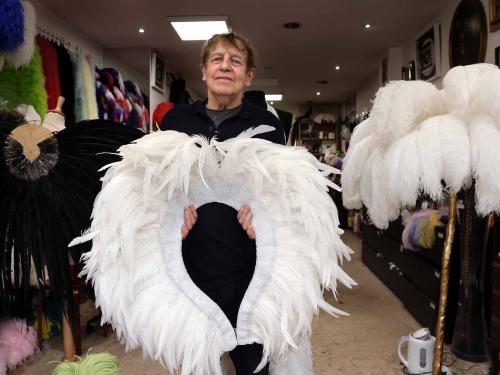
245	219
190	217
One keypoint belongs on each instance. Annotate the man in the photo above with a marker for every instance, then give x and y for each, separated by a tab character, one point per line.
219	243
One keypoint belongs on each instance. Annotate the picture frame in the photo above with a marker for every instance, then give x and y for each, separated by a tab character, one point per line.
428	53
494	15
408	71
158	72
468	34
383	72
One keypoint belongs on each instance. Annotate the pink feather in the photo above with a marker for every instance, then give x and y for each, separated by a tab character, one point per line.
17	342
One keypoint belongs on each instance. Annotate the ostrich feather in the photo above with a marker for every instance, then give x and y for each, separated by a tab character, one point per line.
136	264
400	106
444	152
484	135
403	168
462	85
352	169
360	132
381	205
487	99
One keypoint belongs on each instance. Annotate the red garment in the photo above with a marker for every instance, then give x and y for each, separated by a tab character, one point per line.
50	70
160	112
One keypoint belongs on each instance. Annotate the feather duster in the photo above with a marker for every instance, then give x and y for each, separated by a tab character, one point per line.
47	200
11	25
17	342
484	135
136	265
400	106
24	53
26	85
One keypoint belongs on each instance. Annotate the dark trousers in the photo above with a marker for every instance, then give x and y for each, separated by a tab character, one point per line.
245	358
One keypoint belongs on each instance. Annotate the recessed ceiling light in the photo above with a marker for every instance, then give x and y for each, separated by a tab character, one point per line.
292	25
273	97
199	28
337	67
318	93
272	103
141	30
367	26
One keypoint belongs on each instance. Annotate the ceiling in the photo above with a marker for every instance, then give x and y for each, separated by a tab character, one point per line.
332	34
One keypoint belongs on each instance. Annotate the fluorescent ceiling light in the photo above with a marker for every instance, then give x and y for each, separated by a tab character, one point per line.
274	97
199	28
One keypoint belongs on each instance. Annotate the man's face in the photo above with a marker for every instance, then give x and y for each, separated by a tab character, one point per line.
225	71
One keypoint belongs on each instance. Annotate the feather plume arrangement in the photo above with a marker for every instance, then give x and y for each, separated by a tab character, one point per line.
439	139
17	342
91	364
11	25
46	201
136	265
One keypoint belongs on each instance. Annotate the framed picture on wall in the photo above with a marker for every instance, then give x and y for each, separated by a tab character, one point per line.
383	72
468	34
494	15
158	71
428	53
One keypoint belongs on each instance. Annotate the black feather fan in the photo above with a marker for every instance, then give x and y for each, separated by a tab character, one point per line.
45	202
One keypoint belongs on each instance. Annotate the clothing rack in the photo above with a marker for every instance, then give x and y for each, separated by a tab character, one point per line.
66	44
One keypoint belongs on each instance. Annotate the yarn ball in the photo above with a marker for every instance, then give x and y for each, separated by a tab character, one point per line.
11	25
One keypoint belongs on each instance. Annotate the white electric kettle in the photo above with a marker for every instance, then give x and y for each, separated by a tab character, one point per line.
420	351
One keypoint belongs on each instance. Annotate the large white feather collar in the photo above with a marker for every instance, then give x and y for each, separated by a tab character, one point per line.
136	264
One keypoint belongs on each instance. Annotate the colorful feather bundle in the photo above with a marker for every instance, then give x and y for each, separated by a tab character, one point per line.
26	85
17	342
11	25
428	140
91	364
136	263
23	54
419	232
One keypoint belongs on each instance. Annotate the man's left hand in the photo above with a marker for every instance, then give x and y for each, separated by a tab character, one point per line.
245	219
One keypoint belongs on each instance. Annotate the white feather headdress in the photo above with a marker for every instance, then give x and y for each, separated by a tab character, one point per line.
136	263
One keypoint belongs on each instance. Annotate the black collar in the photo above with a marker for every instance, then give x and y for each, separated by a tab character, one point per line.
199	108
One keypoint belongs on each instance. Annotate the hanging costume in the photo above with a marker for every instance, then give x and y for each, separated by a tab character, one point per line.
136	263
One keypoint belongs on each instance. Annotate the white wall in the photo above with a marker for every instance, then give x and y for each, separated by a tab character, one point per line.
407	53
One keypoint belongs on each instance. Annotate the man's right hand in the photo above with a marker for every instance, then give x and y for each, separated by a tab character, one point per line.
190	217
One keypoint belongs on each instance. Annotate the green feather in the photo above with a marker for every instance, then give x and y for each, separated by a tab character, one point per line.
91	364
25	85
